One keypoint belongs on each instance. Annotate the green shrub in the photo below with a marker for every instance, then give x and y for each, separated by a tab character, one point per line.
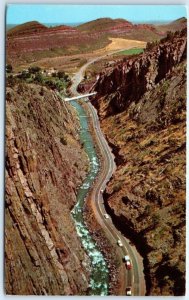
39	78
34	70
63	141
117	187
9	68
155	219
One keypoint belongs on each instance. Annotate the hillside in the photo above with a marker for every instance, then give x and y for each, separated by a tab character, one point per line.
103	24
45	163
173	26
142	106
121	28
32	41
26	28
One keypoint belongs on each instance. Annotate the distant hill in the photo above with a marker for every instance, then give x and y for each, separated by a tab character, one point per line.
122	28
26	28
32	41
10	26
103	24
178	24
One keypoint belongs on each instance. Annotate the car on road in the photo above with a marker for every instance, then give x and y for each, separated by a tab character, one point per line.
128	291
127	262
106	216
119	242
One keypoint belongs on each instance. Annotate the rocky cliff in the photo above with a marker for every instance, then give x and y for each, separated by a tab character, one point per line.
142	107
128	81
44	165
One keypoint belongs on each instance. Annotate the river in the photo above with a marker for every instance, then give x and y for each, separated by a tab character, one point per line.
99	271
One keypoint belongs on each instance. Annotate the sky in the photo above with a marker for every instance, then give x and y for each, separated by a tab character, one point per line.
65	14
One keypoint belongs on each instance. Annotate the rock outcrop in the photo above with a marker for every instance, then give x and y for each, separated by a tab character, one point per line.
44	165
128	81
142	107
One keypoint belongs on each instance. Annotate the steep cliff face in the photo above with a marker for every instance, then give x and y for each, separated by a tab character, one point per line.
129	81
142	106
44	165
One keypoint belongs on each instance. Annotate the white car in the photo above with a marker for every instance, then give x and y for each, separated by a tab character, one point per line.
128	291
119	242
106	216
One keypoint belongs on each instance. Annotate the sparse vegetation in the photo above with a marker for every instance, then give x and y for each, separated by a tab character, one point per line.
9	68
133	51
151	141
63	141
117	187
151	45
155	219
56	81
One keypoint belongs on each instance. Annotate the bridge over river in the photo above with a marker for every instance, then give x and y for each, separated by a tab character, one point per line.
80	96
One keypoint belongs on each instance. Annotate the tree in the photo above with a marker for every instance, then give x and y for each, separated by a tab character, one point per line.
9	68
151	45
24	75
61	74
34	70
155	219
39	78
170	35
50	84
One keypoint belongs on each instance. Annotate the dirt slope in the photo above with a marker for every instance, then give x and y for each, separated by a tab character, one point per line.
118	43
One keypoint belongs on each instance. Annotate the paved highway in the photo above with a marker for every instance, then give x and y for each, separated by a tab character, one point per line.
133	278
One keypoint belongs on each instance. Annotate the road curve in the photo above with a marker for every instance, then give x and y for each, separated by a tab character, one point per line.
134	277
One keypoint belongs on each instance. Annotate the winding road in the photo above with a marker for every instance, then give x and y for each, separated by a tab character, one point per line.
133	278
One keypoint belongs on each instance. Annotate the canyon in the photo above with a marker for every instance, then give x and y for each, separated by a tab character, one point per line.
142	107
141	104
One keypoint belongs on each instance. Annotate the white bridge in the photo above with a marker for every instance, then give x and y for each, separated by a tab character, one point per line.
80	96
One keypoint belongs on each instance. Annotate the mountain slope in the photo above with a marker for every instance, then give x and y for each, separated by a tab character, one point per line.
32	41
26	28
142	106
178	24
44	165
121	28
103	24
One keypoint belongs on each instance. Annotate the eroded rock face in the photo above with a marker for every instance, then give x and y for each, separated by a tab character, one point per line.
142	106
44	165
129	80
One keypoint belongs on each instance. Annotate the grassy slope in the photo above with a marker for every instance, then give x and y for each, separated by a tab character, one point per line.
132	51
